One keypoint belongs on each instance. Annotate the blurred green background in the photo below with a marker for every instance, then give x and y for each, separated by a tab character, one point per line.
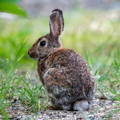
93	30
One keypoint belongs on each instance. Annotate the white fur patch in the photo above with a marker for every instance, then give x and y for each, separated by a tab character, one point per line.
81	105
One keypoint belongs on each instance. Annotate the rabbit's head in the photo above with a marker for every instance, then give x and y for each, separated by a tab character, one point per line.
50	42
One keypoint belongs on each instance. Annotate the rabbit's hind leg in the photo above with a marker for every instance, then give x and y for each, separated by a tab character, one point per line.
81	105
60	107
61	103
66	107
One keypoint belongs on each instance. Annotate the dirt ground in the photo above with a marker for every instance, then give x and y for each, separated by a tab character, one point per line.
100	110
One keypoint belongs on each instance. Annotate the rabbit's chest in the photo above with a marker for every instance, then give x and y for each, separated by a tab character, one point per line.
42	68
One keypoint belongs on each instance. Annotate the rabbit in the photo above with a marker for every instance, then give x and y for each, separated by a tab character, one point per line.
63	72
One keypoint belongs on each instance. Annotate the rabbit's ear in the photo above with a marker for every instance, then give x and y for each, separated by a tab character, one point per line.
56	23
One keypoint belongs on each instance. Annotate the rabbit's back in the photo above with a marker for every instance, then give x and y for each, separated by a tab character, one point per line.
66	77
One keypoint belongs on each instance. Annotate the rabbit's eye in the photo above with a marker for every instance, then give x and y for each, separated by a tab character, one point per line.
42	43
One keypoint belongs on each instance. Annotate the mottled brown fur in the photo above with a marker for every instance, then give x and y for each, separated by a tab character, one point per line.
63	72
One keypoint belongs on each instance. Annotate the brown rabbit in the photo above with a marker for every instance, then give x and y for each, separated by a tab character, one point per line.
63	72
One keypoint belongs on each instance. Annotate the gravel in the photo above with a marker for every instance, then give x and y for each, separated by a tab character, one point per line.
100	110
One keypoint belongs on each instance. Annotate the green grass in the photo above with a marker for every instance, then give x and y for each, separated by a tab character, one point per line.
95	36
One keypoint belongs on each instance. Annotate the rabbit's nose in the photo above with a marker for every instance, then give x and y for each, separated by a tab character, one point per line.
31	54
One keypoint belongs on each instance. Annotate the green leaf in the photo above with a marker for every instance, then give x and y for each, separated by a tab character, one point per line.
10	1
12	8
